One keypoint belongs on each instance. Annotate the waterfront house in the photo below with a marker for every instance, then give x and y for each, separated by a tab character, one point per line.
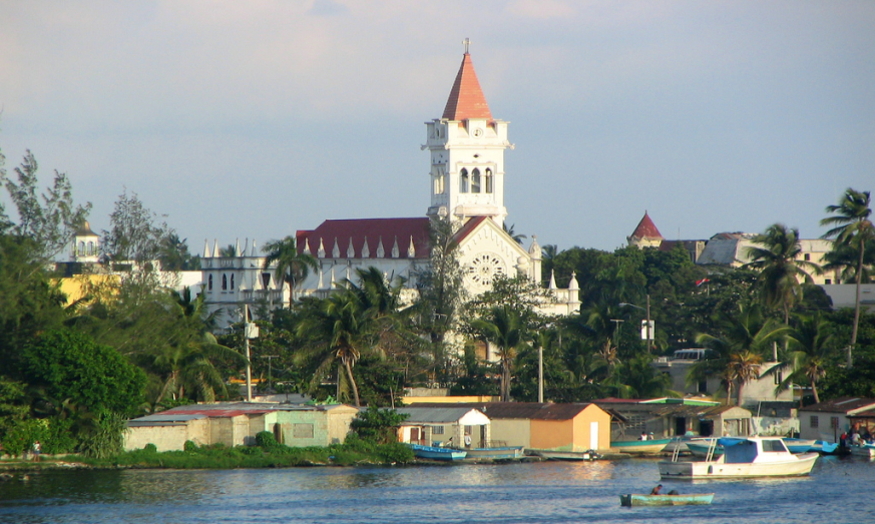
828	420
237	423
441	425
669	417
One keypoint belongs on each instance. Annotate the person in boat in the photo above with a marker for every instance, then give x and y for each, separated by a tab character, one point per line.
673	492
643	436
655	490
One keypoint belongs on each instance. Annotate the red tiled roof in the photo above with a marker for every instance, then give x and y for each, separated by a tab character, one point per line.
468	227
646	228
466	98
372	229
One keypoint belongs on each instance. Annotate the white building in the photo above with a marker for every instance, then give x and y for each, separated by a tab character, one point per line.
466	184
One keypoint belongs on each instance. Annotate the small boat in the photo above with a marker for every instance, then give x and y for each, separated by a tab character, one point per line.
798	445
666	500
640	447
566	455
751	457
504	452
435	453
866	451
824	447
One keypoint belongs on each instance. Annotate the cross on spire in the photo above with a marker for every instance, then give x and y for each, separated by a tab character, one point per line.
467	42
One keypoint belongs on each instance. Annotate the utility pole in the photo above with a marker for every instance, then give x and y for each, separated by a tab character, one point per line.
540	374
617	322
250	330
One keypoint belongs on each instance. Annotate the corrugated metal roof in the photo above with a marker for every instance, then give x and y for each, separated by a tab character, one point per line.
164	419
841	405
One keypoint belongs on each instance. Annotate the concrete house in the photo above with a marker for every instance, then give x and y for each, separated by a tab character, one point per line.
237	423
667	417
828	420
454	425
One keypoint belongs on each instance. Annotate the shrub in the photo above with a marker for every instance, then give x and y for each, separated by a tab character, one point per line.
190	446
266	439
150	448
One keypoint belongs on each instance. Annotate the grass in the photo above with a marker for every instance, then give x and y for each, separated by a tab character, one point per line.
354	452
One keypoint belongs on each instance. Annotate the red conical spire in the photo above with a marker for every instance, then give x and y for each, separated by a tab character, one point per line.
646	228
466	98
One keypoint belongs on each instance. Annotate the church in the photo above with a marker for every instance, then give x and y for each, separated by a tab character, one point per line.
466	181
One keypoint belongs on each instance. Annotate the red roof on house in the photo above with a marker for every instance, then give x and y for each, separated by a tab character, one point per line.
466	98
646	228
374	230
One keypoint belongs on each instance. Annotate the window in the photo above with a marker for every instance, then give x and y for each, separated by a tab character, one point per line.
774	446
437	430
488	181
302	431
232	281
210	283
463	181
81	250
224	282
807	256
834	422
468	430
475	181
91	250
814	422
828	281
265	280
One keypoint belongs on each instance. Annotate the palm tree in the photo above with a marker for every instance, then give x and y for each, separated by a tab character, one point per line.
741	338
518	237
779	268
852	226
811	344
187	360
292	267
504	328
744	366
844	258
337	329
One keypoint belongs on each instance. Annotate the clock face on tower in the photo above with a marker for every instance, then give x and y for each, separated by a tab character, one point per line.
485	268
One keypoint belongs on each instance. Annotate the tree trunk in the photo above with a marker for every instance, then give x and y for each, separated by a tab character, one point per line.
738	394
814	390
355	389
505	380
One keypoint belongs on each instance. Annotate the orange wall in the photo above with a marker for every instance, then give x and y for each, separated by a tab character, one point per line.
552	434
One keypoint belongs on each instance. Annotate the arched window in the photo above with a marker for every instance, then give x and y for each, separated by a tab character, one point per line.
488	180
475	181
210	283
463	181
81	250
91	249
224	282
232	281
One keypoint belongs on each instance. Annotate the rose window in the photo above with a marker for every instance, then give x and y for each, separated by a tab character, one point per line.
484	269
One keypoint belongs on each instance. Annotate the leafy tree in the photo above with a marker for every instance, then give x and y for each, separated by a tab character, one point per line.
852	227
378	425
637	378
49	219
504	328
135	234
71	365
779	268
174	254
291	267
844	258
441	286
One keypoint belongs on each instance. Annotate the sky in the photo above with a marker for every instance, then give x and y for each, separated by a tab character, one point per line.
255	119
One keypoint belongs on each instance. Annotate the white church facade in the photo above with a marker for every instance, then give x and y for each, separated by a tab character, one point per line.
466	182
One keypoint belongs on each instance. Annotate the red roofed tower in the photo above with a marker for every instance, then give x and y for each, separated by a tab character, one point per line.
467	153
646	234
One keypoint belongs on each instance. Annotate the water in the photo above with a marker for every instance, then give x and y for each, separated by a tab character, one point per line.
838	490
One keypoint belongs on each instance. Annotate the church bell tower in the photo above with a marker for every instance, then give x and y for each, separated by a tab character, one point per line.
467	146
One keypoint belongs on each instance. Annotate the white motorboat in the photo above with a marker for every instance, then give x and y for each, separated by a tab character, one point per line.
866	451
752	457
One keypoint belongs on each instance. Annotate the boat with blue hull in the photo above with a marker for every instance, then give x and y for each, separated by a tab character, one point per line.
640	447
824	447
752	457
691	499
503	452
435	453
